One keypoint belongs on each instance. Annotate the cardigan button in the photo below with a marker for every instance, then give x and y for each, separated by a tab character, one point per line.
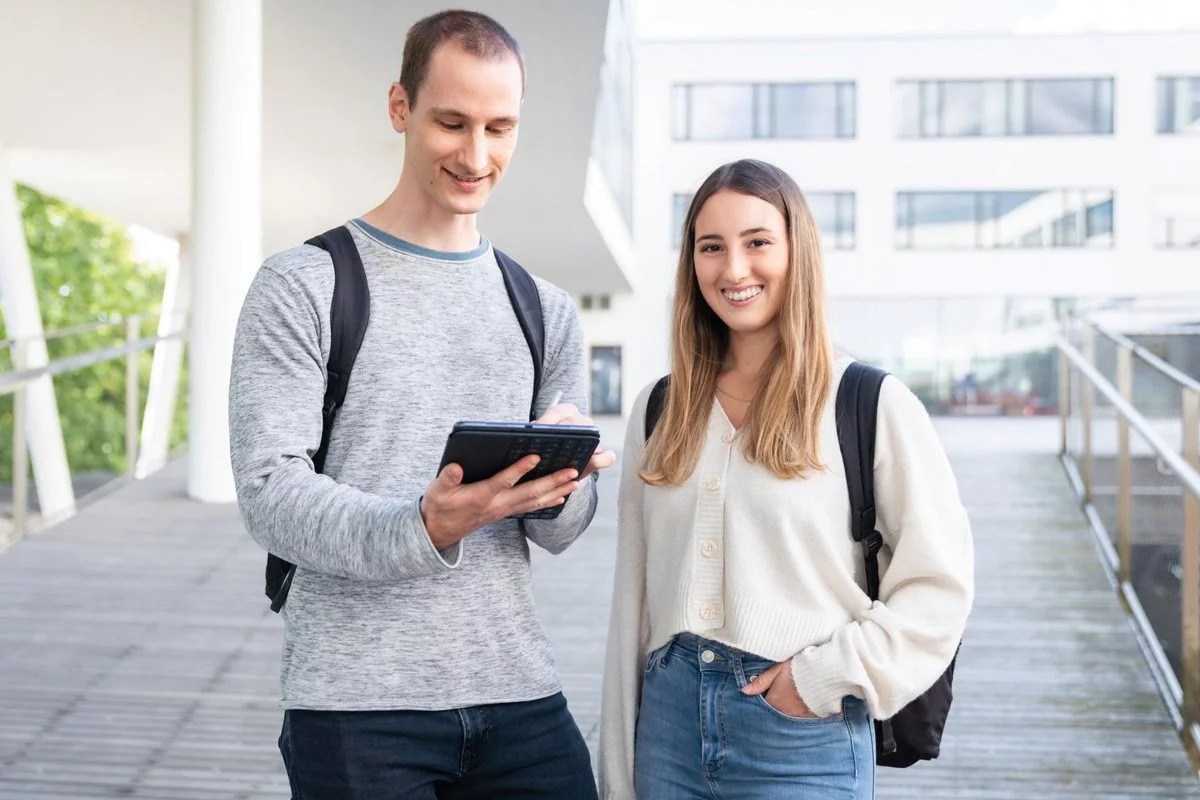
709	548
714	483
708	611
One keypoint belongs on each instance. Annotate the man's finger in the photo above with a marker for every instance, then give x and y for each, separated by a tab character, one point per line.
508	477
558	413
554	498
451	476
763	682
603	459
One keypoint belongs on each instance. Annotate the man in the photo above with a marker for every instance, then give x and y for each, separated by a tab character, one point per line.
413	664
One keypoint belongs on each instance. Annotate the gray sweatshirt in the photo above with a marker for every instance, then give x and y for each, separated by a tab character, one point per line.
377	618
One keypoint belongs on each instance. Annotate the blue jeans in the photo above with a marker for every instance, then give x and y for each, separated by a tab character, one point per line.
698	736
510	750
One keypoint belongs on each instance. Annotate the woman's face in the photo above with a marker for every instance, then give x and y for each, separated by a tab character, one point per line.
741	260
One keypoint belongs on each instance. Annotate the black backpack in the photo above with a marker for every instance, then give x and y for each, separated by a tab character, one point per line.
348	316
915	733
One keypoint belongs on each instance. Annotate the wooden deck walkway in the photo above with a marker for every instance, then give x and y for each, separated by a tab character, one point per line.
138	660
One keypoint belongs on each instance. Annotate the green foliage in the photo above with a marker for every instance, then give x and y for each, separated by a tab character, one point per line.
84	272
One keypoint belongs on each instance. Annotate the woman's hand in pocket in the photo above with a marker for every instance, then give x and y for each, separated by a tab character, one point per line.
780	690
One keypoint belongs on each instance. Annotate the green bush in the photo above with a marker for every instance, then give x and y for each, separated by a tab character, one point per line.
84	272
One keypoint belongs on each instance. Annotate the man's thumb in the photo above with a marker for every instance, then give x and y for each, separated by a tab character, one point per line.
451	476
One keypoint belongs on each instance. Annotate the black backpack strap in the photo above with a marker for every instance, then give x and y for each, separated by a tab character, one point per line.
527	303
349	314
655	403
856	410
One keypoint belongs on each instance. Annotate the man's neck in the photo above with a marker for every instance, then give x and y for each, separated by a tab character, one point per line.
411	217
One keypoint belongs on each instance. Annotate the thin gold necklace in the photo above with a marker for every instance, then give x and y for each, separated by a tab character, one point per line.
732	397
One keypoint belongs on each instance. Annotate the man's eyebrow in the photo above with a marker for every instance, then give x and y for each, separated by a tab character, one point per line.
450	112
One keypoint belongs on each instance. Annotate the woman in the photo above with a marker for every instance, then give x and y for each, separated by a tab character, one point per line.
744	658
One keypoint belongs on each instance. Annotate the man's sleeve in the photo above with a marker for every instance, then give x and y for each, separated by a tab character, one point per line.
277	386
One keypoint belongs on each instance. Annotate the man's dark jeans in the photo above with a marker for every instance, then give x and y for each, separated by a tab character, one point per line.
511	750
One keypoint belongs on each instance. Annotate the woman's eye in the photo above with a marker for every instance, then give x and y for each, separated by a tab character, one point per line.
710	248
759	243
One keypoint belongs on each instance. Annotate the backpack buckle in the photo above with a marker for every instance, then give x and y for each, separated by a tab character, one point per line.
872	543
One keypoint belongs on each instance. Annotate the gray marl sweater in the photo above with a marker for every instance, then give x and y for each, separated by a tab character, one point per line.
377	618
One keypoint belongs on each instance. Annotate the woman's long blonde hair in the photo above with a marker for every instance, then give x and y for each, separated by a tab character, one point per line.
782	426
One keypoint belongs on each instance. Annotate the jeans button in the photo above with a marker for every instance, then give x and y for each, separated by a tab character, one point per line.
708	656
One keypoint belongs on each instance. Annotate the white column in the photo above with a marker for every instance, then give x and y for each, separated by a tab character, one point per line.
23	320
164	373
226	232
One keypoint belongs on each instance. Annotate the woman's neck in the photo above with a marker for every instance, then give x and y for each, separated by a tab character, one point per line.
748	352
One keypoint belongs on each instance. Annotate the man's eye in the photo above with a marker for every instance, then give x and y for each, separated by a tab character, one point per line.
452	126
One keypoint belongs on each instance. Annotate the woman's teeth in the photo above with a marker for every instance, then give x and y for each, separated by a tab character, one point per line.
744	294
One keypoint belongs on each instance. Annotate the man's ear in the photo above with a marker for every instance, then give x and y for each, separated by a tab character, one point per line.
399	109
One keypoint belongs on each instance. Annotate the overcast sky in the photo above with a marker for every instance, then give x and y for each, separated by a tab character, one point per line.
692	19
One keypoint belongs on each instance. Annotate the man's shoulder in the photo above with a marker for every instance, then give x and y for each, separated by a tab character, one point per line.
555	300
302	264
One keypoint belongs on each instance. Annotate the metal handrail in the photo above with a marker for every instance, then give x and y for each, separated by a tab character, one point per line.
1179	377
74	330
16	381
1182	695
1188	476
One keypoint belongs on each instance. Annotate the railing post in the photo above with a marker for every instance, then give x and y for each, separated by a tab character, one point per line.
20	480
132	425
1064	400
1088	396
1190	557
1124	468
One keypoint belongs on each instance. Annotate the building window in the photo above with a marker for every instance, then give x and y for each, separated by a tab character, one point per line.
606	380
1014	107
612	133
1177	218
994	220
763	111
1179	105
679	209
833	212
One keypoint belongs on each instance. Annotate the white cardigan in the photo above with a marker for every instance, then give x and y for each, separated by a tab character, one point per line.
769	566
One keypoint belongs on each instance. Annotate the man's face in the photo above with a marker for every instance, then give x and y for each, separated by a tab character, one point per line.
460	135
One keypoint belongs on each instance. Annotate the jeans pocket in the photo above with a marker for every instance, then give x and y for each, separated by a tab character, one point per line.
762	699
655	657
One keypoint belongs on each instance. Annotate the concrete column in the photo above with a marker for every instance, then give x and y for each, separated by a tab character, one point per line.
226	230
23	320
164	373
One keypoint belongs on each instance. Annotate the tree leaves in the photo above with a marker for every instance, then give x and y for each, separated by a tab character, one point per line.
84	272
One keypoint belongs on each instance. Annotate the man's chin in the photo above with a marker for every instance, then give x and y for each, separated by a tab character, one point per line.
463	205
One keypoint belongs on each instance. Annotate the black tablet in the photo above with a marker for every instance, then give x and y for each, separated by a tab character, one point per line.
484	448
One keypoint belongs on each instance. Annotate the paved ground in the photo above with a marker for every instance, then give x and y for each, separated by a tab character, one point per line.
137	658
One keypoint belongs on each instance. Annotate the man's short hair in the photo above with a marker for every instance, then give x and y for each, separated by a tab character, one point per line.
477	34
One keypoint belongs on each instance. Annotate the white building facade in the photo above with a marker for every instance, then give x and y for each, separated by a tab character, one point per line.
969	191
